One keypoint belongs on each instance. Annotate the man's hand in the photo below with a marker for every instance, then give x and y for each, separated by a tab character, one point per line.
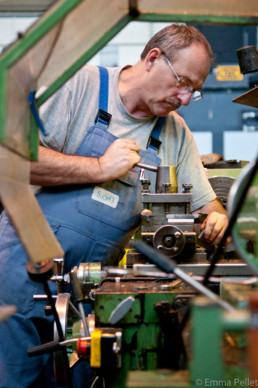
119	158
214	227
215	224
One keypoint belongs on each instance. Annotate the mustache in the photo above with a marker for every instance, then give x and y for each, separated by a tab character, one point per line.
174	102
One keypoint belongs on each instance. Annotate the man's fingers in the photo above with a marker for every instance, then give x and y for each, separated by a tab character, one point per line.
214	227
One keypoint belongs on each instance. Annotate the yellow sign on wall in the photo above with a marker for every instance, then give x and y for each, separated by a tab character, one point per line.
228	73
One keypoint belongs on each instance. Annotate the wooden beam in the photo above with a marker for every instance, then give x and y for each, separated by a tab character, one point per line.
237	8
22	207
17	6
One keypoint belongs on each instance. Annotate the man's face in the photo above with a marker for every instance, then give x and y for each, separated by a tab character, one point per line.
162	95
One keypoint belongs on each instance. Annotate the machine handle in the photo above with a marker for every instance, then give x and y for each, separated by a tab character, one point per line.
121	310
147	167
45	348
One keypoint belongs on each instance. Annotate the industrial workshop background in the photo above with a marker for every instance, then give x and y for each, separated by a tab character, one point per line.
146	328
218	125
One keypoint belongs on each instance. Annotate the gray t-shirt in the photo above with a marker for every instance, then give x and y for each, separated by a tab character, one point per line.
72	110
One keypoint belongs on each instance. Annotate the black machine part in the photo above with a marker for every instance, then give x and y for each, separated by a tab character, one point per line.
248	59
248	62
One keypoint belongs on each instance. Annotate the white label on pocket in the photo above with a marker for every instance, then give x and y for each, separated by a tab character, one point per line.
104	196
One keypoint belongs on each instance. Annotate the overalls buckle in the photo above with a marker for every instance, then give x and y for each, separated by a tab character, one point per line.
103	117
153	142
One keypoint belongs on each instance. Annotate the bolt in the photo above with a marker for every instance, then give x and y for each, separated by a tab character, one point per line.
145	183
166	187
168	241
187	187
177	234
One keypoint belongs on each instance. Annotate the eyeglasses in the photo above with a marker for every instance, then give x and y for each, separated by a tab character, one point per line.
183	85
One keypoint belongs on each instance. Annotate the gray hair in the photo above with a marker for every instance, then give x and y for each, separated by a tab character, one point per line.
175	37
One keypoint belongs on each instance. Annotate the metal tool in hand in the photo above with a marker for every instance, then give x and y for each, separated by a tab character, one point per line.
148	167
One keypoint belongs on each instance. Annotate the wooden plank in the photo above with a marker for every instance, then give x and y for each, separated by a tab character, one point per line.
81	29
35	233
13	166
237	8
28	219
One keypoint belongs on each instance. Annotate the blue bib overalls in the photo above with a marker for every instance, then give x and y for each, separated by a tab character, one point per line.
92	222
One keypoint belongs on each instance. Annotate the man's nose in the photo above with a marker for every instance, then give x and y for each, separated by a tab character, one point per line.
184	98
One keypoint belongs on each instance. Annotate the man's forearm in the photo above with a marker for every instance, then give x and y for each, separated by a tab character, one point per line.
54	168
213	206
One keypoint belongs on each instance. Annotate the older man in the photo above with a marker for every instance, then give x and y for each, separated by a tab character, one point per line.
99	125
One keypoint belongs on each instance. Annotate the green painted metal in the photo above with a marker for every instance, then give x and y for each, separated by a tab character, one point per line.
83	59
105	304
206	344
202	19
3	79
142	310
141	328
249	213
237	377
34	139
142	339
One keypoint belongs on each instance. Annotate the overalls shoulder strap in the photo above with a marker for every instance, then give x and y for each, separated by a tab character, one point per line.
154	141
103	90
103	117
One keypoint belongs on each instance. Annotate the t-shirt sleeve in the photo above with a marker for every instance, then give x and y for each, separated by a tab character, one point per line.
56	115
190	170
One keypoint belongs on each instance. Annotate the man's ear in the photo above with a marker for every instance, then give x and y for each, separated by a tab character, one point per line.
151	57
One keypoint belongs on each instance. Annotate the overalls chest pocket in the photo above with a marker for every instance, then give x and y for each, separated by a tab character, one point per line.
114	202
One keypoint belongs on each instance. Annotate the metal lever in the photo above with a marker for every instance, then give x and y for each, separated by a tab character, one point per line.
121	310
147	167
